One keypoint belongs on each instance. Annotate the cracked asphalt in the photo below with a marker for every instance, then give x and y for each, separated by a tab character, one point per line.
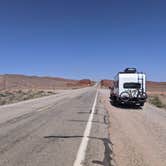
48	131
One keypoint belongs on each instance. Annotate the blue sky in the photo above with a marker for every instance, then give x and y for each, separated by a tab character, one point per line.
83	38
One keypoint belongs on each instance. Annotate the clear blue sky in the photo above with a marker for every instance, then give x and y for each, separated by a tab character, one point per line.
83	38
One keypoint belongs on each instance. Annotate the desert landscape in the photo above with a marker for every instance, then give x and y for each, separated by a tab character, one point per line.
20	82
15	88
70	121
59	105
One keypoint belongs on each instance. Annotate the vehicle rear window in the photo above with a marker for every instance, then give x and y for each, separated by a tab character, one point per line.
132	85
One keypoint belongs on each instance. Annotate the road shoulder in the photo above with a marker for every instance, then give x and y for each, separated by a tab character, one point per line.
138	135
99	151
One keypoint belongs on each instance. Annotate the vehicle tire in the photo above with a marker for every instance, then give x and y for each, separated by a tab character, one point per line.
111	96
113	100
125	96
141	104
144	95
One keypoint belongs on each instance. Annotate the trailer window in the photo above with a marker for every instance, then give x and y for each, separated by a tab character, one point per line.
132	85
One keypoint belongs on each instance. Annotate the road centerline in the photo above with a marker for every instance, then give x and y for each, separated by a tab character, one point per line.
84	143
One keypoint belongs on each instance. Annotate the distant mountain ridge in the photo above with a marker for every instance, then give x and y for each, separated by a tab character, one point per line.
17	82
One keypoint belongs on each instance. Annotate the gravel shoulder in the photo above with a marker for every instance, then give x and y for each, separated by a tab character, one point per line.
138	135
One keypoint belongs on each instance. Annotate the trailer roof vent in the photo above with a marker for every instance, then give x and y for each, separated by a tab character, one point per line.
130	70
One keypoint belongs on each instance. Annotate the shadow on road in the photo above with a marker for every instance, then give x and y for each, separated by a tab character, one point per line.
96	113
108	150
108	153
126	106
84	121
105	121
60	137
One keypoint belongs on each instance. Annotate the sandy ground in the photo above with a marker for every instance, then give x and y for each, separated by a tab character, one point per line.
162	97
138	135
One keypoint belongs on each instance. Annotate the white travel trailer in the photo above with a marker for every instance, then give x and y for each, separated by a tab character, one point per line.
129	87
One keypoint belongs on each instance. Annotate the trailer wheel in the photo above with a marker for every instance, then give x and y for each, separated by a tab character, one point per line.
142	104
113	100
125	96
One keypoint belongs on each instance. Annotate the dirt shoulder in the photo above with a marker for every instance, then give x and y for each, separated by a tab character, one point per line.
157	99
138	135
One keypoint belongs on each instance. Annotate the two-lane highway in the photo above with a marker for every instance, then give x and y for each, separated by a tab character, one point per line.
50	131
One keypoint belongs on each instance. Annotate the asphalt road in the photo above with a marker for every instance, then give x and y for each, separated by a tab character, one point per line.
81	128
49	131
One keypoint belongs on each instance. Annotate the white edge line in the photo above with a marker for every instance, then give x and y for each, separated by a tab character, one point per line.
84	143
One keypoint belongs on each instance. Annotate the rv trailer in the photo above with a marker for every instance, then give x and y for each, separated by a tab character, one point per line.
129	87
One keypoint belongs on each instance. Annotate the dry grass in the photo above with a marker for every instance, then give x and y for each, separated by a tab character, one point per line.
158	100
16	96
